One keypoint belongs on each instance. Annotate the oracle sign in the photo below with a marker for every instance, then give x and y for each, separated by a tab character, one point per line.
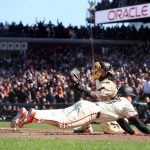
124	13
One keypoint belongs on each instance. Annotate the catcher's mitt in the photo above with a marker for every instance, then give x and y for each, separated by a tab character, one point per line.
75	76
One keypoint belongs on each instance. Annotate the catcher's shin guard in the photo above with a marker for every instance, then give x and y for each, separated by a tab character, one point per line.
112	128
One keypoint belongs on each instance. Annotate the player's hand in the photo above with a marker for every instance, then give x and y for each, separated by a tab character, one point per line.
137	133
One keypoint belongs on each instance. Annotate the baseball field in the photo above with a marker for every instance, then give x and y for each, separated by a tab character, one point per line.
44	137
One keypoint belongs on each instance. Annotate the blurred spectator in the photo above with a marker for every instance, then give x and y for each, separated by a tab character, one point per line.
147	112
118	3
146	87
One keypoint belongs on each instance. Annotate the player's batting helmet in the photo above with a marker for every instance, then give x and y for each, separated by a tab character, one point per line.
125	90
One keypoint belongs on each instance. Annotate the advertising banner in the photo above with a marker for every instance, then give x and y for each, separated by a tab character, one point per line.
122	14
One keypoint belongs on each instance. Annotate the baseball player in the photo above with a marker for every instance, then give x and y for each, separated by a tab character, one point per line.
106	90
77	114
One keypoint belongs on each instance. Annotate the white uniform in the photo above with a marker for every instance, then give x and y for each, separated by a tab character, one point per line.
118	108
77	114
106	90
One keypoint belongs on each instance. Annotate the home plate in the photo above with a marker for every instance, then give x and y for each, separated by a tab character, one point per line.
7	128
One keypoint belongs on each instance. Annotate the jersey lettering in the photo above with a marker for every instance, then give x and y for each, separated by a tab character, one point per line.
115	100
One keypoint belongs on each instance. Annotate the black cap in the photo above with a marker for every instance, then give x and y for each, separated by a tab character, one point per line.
107	67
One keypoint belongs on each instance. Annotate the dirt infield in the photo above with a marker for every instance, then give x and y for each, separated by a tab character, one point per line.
63	134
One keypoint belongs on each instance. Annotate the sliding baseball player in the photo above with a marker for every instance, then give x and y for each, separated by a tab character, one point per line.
85	112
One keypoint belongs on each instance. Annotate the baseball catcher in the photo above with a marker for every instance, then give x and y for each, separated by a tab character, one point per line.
105	91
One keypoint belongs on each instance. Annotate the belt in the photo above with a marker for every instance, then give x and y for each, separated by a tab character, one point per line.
98	115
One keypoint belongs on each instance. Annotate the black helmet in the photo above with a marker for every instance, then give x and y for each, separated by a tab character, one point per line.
105	65
125	90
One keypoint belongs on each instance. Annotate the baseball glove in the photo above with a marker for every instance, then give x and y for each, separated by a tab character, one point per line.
75	76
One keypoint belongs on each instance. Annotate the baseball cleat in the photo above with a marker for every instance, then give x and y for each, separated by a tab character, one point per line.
86	129
16	120
28	119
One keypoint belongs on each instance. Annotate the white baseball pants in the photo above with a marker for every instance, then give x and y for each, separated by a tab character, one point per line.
81	113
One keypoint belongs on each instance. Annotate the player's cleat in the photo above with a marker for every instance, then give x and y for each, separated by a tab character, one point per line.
16	120
28	119
85	129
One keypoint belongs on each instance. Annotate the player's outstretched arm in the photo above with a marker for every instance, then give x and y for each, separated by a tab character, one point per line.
135	121
125	126
140	125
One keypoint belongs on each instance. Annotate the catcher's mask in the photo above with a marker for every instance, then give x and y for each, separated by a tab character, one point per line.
101	70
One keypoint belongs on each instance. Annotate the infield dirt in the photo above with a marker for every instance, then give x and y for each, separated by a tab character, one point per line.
65	134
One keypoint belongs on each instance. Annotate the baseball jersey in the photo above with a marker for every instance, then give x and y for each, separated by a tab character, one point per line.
118	108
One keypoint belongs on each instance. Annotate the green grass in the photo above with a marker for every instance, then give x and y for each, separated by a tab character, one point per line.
60	144
27	143
96	127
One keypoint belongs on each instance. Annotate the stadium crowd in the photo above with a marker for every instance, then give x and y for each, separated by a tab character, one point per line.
109	4
40	77
49	30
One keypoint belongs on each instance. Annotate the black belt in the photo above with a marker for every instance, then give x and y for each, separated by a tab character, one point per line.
98	115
